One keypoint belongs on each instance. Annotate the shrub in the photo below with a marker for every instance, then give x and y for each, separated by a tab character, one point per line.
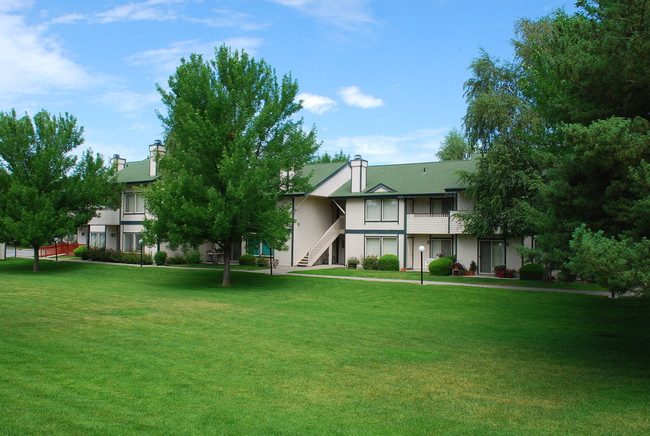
247	259
353	261
388	262
192	255
441	267
177	259
370	262
81	251
160	257
133	257
502	272
262	261
531	271
566	276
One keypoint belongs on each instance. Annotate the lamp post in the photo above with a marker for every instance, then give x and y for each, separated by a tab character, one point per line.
421	248
141	247
56	251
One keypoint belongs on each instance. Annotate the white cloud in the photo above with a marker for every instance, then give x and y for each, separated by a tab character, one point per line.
353	96
317	104
151	10
32	62
415	146
69	19
165	60
15	5
130	102
344	13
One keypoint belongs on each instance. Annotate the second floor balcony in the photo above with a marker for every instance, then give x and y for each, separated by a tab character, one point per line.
433	223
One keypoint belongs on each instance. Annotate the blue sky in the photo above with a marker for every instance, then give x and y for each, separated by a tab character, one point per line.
380	78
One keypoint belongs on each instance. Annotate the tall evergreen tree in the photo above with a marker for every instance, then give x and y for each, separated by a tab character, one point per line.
233	149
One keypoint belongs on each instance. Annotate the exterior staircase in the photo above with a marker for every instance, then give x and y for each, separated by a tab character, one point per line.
326	241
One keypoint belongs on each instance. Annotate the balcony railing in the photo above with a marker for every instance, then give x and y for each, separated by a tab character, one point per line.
433	223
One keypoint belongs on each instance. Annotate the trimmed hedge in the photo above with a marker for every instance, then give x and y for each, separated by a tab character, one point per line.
160	257
247	259
531	271
388	262
104	255
81	251
441	267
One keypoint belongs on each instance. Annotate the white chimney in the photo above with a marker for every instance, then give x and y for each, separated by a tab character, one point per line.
359	172
119	161
156	151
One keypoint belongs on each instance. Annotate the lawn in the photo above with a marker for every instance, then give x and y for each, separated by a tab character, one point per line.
109	349
483	280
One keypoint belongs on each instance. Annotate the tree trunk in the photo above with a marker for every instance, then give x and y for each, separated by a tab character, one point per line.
37	260
226	263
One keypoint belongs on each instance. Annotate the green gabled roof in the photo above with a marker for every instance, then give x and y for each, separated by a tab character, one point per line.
319	173
135	172
412	179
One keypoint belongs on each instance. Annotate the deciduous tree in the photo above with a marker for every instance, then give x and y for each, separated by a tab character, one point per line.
233	149
455	147
45	191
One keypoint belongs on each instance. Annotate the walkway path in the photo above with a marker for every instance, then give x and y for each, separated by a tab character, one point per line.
295	271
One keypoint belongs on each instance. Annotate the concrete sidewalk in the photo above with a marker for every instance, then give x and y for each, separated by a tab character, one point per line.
284	270
296	271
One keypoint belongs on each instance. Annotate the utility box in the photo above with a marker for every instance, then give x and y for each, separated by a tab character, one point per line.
3	251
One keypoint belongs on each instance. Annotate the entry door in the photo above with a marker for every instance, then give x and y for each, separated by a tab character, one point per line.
491	254
409	252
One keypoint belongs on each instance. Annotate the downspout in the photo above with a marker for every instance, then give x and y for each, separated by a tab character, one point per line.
405	237
293	225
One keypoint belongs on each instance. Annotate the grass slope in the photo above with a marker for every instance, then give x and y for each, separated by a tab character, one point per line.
106	349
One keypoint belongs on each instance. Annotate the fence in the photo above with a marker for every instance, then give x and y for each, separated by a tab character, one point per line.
62	248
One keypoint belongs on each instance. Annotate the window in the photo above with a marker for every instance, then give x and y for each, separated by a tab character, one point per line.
255	247
382	210
442	206
440	247
133	202
131	242
377	246
98	239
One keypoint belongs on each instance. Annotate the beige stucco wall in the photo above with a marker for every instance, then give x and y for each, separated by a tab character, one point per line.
313	217
464	203
355	217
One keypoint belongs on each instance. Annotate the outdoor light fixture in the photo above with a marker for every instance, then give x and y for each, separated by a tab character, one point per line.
421	248
141	246
56	251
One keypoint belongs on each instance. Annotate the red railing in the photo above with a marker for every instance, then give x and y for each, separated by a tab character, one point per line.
62	248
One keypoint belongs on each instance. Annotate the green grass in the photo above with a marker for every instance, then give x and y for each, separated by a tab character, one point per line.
415	275
107	349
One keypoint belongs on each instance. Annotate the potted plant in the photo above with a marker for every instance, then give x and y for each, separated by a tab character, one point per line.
353	262
472	268
457	269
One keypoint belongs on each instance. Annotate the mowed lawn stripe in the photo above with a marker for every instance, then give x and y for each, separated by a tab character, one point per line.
91	348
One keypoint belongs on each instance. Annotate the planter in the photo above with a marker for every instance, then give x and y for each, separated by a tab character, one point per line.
470	273
352	266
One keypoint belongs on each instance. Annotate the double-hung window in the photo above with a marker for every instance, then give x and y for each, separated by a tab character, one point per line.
133	202
378	246
382	209
131	242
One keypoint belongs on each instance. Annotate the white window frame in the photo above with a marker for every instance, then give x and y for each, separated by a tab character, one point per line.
138	199
134	241
433	253
382	210
382	249
94	237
